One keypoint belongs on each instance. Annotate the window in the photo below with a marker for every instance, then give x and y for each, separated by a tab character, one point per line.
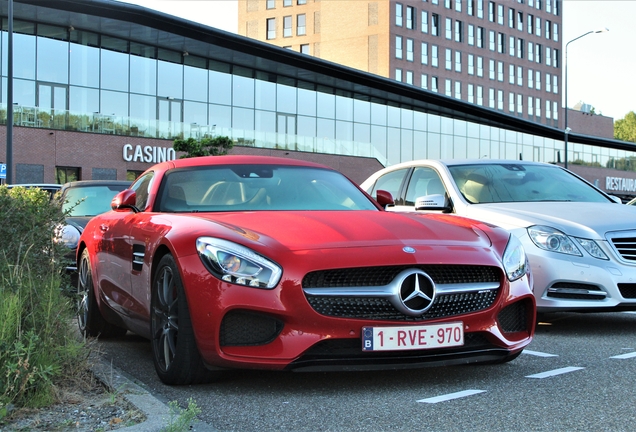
491	40
548	83
480	96
301	29
398	14
519	48
519	76
555	84
409	50
304	48
511	46
538	51
67	174
555	58
435	24
548	6
471	93
458	61
500	14
538	4
548	30
424	53
448	88
530	78
491	69
449	60
511	102
424	81
555	32
537	27
537	107
398	75
511	74
435	84
491	98
459	31
530	51
537	80
548	56
501	43
398	47
471	64
511	18
500	71
424	22
458	90
480	66
448	4
287	26
471	34
409	77
530	106
520	21
271	28
449	28
470	7
301	2
271	4
480	37
555	111
548	110
410	17
480	9
491	11
519	104
500	100
434	56
287	3
458	5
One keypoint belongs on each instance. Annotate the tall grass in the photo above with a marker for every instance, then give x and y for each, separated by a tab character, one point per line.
37	343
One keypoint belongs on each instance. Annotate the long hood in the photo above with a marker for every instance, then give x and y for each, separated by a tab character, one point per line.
589	220
306	230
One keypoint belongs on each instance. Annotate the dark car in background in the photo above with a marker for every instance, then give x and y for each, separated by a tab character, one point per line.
51	188
81	201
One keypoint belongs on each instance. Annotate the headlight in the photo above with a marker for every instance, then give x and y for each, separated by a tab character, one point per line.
514	259
68	235
237	264
592	248
553	240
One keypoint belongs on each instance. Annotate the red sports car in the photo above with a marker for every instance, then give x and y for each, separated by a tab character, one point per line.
259	262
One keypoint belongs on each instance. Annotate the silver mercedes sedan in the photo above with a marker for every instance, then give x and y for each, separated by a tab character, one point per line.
580	242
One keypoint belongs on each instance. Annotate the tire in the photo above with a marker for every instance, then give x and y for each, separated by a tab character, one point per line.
89	319
175	353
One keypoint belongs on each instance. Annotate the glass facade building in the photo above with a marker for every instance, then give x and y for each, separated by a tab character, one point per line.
70	77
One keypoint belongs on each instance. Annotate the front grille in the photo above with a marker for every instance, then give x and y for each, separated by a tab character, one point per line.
626	247
514	318
628	290
381	309
379	276
243	328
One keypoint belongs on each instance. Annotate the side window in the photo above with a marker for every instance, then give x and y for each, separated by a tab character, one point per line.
390	182
141	188
424	181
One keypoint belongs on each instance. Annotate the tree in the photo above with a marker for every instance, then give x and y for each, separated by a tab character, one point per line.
215	146
625	129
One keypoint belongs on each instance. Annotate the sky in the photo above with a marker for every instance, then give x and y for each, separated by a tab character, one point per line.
601	66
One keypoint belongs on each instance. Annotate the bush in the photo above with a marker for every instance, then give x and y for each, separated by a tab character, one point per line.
37	342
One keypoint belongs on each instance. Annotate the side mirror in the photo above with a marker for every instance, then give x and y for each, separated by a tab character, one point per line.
124	200
616	199
384	198
434	202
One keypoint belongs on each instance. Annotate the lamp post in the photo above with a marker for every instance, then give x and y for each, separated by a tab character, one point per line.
567	129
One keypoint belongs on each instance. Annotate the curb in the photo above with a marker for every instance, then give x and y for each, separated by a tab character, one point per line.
157	412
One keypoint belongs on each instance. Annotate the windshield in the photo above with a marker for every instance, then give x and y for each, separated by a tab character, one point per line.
494	183
89	200
258	187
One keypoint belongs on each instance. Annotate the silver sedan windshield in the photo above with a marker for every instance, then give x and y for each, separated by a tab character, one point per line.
495	183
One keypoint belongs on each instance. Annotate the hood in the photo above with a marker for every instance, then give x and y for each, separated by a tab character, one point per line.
588	220
306	230
78	222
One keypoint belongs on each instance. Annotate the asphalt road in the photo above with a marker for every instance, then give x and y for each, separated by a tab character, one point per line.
579	373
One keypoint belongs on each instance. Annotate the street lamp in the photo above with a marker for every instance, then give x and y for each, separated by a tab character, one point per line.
567	129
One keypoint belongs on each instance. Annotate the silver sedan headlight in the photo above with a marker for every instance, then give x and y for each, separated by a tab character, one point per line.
552	240
237	264
514	259
68	235
592	248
